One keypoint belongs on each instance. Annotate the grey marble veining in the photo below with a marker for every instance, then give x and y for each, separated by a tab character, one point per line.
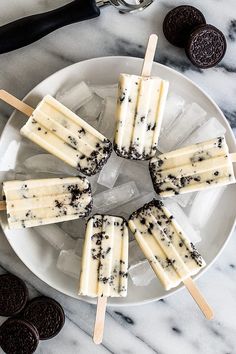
172	326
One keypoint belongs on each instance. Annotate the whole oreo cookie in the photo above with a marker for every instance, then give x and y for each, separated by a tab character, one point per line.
17	336
13	295
180	22
206	46
46	315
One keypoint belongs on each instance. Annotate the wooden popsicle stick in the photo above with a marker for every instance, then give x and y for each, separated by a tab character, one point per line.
198	298
16	103
149	56
2	205
233	157
100	320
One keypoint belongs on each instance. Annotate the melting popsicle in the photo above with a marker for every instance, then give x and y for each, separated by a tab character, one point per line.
46	201
172	256
193	168
140	107
104	263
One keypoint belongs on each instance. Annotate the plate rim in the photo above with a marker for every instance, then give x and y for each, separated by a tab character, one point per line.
229	131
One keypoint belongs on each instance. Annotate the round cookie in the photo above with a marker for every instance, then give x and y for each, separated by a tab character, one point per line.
17	336
206	46
13	295
180	22
46	315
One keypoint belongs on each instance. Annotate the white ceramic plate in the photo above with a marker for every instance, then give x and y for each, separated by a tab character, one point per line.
36	253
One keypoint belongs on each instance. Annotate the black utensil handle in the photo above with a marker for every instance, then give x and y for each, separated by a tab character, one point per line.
27	30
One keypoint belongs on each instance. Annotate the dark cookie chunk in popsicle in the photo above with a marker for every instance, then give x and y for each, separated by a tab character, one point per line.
47	316
206	46
18	336
180	22
13	295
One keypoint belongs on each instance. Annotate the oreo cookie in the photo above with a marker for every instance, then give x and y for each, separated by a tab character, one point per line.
13	295
17	336
206	46
46	315
180	22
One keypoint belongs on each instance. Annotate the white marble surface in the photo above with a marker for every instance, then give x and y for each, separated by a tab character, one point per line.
175	325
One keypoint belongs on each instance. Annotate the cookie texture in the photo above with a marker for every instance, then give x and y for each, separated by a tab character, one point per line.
46	315
13	295
18	337
206	46
180	22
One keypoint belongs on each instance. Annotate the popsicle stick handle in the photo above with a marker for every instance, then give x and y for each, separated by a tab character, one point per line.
199	299
149	56
16	103
100	320
2	205
233	157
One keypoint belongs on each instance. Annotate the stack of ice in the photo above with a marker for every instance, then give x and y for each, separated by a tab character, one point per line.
122	185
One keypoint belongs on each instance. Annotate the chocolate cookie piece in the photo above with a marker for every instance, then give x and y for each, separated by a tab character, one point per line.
18	337
180	22
46	315
13	295
206	46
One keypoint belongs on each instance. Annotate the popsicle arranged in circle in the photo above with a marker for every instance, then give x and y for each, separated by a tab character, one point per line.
62	133
104	264
193	168
45	201
172	256
140	108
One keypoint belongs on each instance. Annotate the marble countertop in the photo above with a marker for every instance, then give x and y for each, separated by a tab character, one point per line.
171	326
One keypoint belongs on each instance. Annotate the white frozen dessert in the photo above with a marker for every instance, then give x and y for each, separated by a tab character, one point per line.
46	201
105	257
140	107
171	255
62	133
192	168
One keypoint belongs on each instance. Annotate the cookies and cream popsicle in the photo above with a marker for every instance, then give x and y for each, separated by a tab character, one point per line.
104	264
62	133
46	201
193	168
140	107
105	257
172	256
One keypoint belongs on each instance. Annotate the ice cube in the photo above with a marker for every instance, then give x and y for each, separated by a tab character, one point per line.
79	247
56	237
127	209
142	274
112	198
203	206
74	228
107	120
110	171
93	182
191	118
182	219
91	110
184	199
69	263
75	96
9	158
48	163
105	91
135	254
211	129
137	172
174	107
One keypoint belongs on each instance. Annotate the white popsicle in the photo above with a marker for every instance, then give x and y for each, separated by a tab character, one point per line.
46	201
